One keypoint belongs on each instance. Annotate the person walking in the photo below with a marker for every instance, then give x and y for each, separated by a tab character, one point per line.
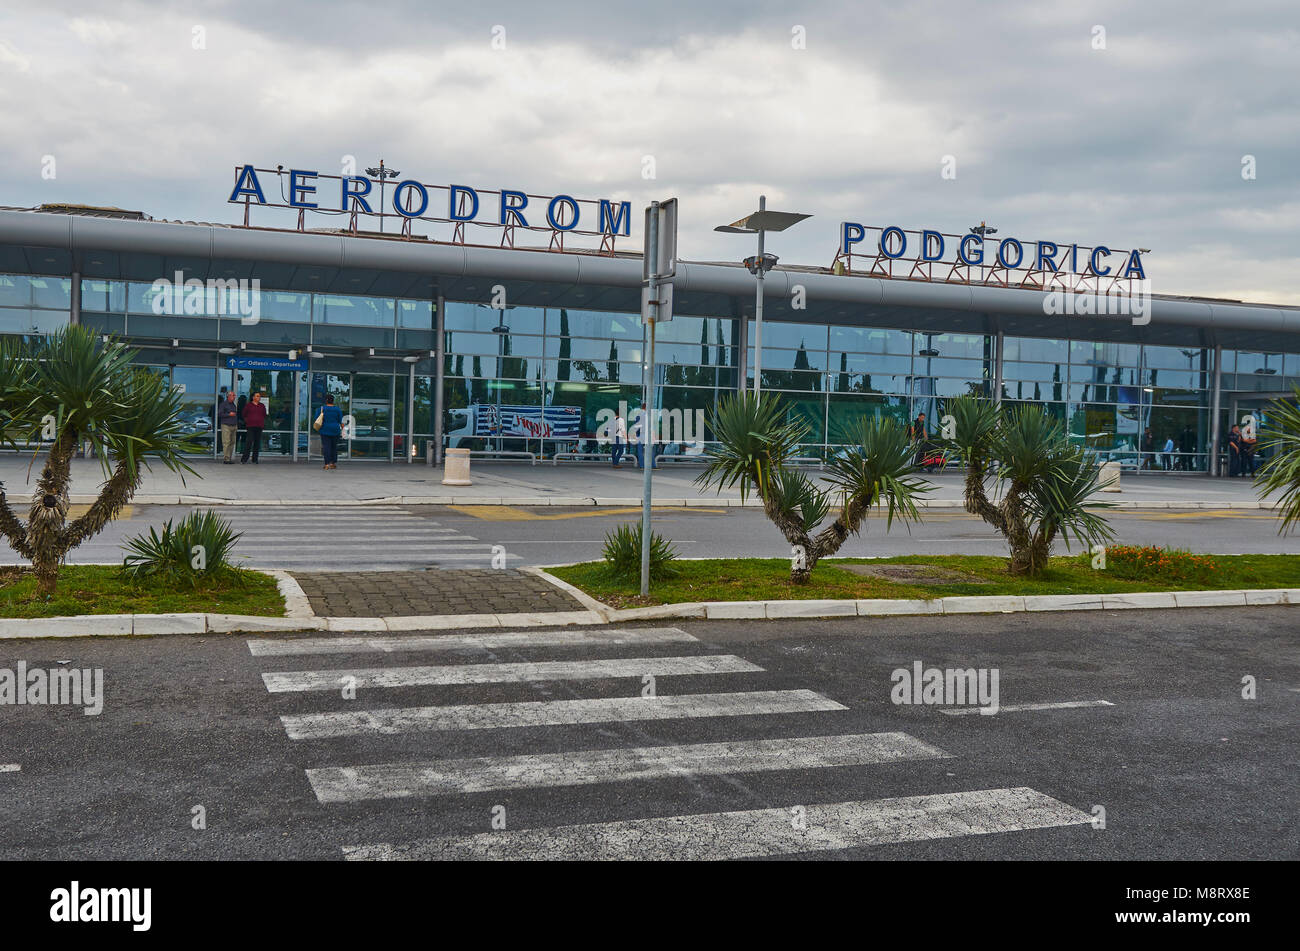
918	435
1169	454
228	420
620	440
254	423
1148	450
329	423
1234	451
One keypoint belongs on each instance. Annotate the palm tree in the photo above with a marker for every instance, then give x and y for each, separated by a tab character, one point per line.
753	442
1047	483
66	389
1281	471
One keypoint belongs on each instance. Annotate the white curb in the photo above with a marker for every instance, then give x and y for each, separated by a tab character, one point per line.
540	501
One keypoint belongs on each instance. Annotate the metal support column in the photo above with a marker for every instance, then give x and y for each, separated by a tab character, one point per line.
438	361
999	346
410	416
74	315
297	407
742	351
1212	466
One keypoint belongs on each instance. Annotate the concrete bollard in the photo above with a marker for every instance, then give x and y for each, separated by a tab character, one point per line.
1109	479
455	470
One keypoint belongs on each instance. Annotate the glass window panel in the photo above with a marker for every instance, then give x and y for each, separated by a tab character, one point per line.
790	336
944	366
490	344
1034	371
353	311
1035	349
23	320
969	346
1173	358
106	296
285	305
1094	353
593	323
870	340
20	290
415	314
946	387
790	359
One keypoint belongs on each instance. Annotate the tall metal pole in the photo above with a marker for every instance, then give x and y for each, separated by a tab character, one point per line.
410	417
439	378
758	309
1212	464
647	411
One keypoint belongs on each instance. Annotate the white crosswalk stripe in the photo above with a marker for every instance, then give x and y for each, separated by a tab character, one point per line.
399	780
291	681
491	716
751	833
544	637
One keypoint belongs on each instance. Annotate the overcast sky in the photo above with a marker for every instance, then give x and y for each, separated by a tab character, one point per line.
1137	144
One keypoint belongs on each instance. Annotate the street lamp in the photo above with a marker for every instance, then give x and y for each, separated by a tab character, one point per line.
759	223
383	174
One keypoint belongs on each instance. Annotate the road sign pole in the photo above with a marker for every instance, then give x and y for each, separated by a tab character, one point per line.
758	309
647	411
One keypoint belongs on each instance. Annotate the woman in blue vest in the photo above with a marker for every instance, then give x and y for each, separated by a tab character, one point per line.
330	425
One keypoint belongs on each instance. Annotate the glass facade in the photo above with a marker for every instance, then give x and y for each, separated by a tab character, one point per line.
561	368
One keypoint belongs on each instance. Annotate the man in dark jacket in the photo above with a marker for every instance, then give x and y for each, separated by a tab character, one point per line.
1234	451
254	423
1148	450
228	420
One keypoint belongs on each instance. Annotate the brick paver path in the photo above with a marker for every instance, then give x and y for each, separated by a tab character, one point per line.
411	593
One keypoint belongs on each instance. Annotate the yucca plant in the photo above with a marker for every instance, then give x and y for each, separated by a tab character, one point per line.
754	441
1280	473
198	547
1047	483
66	389
622	554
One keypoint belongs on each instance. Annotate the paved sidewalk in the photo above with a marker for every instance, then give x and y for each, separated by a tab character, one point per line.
433	592
495	483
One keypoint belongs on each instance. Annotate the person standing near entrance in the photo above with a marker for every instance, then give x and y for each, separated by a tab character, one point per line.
329	423
1234	451
254	423
620	440
228	420
1248	443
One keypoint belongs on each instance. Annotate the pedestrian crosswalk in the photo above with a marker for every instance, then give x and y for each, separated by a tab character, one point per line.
298	538
766	826
381	536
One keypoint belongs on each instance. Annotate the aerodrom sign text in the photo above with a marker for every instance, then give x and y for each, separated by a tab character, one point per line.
411	199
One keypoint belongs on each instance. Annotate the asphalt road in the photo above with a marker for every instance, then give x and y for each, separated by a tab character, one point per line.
416	536
1184	767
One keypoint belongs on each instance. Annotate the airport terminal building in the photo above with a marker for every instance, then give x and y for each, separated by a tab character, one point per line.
519	341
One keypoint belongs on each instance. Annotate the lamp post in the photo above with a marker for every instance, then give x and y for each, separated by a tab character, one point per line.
383	174
759	223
